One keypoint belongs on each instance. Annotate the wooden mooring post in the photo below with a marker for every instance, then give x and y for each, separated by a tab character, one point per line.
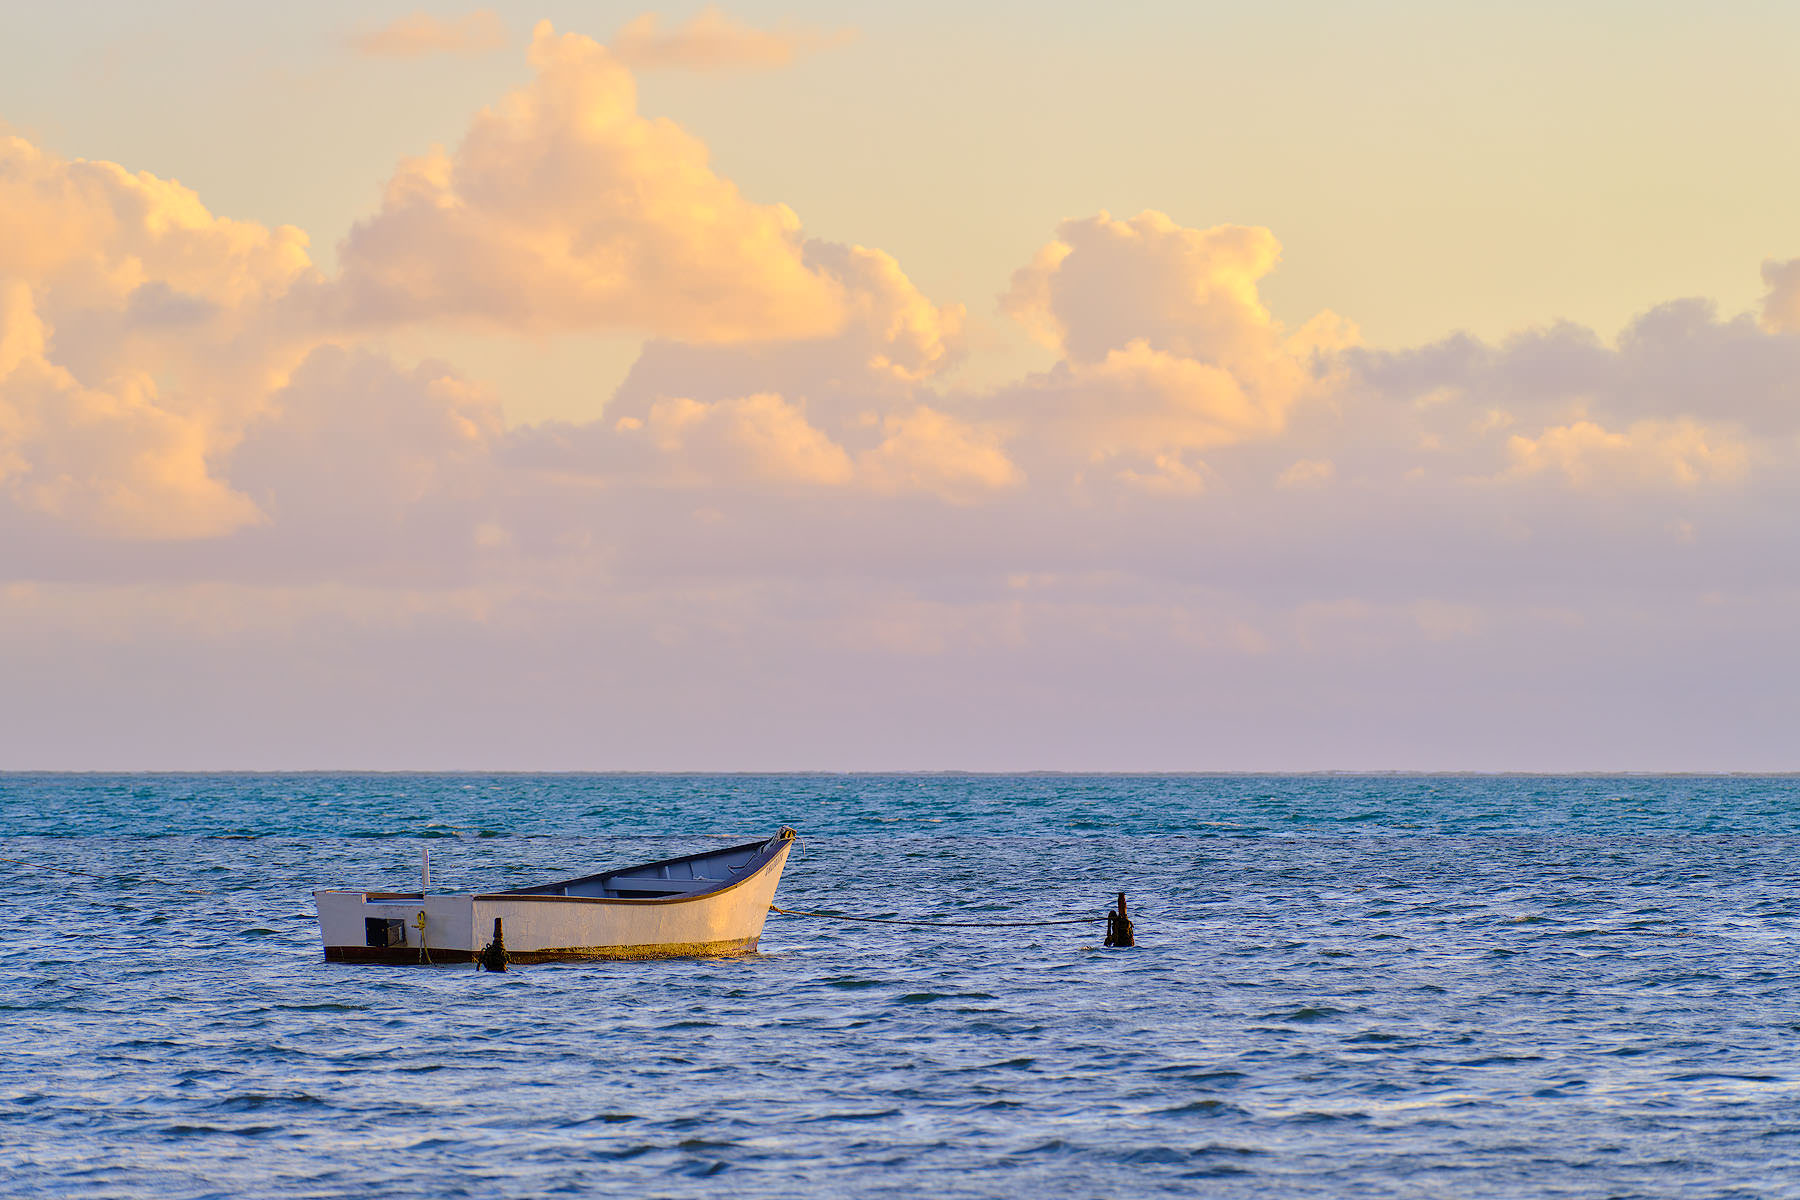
1118	926
494	957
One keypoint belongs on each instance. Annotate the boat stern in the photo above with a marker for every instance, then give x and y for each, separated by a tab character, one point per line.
395	927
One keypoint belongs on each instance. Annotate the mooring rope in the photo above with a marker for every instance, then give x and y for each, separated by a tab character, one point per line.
798	912
97	875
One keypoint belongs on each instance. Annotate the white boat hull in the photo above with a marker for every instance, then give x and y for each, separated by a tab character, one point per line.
540	925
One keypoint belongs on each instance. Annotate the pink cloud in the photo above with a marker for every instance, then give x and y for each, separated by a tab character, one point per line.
420	33
712	41
1781	306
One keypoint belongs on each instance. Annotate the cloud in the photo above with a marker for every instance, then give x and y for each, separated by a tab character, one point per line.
140	333
1781	306
563	209
1307	473
761	442
420	33
114	459
1167	349
930	451
95	232
1104	283
1677	359
1648	453
791	469
712	41
354	444
758	439
892	339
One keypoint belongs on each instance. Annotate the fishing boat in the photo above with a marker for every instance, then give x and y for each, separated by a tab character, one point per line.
694	906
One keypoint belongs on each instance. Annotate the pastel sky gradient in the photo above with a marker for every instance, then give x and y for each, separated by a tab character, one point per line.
1148	386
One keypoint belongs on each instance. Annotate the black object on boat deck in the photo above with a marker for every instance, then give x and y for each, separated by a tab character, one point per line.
1118	926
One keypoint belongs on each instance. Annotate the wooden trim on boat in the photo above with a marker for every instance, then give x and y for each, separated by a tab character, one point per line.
770	854
535	895
766	847
683	898
408	956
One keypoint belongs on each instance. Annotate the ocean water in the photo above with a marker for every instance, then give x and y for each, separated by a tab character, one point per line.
1412	986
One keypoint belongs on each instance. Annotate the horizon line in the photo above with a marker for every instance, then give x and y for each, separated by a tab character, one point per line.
646	772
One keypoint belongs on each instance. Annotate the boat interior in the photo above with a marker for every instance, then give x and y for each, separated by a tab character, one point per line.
686	876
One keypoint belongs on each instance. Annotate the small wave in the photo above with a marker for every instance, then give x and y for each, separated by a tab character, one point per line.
255	1101
880	1115
1201	1108
188	1130
600	1119
1304	1015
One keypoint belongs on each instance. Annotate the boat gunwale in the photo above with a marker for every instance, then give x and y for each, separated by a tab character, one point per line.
761	847
769	856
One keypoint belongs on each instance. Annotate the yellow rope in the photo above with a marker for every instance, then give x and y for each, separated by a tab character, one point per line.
797	912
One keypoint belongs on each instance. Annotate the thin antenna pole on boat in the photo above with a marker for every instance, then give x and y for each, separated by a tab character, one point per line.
424	868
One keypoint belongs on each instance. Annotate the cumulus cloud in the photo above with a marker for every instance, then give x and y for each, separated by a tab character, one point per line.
865	391
761	438
113	459
1286	512
763	441
98	231
1647	453
1677	359
141	331
355	439
564	209
1192	477
892	338
1104	283
931	451
420	33
711	41
1781	306
1167	349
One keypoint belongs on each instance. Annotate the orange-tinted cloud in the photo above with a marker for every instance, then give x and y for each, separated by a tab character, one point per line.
927	450
765	440
139	332
1681	453
420	33
762	439
894	341
1104	283
96	232
1167	347
116	459
564	209
711	41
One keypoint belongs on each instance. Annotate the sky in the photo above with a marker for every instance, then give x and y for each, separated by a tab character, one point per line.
1152	386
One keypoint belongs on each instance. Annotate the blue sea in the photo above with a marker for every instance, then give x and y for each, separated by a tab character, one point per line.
1345	986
